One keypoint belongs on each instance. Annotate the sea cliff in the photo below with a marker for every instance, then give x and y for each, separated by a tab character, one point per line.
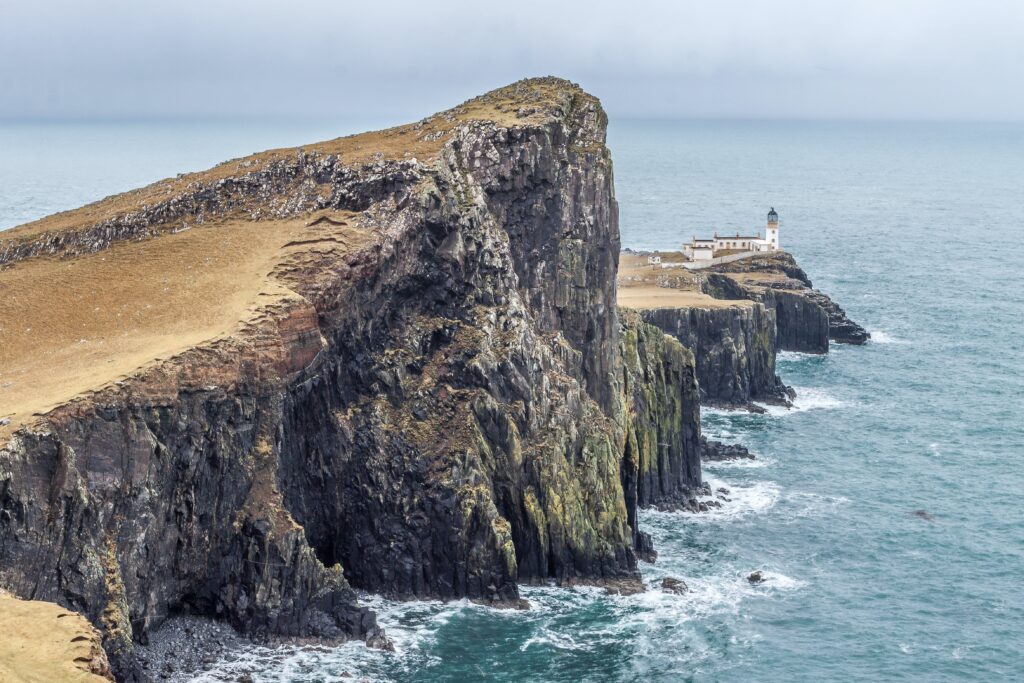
420	392
735	318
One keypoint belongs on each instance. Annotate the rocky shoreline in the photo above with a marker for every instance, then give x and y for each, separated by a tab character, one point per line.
441	398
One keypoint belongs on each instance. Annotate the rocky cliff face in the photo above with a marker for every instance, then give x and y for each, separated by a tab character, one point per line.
440	409
801	324
806	317
661	463
734	347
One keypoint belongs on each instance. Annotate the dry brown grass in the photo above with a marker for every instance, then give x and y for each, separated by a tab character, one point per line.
652	296
758	277
43	643
644	286
68	326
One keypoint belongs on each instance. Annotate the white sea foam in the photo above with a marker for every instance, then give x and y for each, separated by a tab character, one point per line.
551	638
743	500
780	582
413	626
883	337
800	505
409	625
737	464
794	356
807	398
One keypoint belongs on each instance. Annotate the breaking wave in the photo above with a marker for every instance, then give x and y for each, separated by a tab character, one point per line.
883	337
807	398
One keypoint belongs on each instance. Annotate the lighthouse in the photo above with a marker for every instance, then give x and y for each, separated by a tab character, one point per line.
727	248
772	233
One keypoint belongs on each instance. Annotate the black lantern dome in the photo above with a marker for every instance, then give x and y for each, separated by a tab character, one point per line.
772	216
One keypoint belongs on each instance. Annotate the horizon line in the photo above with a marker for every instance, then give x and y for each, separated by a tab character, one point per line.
386	118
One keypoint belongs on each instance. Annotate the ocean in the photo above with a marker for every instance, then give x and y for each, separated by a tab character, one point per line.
884	508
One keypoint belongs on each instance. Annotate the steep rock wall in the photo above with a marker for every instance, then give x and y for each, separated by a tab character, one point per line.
469	434
734	348
661	462
801	324
806	317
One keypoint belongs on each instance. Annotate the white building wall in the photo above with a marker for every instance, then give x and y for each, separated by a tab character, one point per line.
707	263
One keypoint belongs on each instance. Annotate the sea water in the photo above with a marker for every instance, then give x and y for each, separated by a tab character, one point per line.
884	509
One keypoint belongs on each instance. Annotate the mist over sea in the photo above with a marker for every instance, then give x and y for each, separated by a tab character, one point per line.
916	230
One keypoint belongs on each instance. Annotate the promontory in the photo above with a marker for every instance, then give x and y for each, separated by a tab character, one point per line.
392	362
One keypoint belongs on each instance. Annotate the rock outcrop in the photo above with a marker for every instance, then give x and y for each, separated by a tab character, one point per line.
806	317
734	347
712	450
428	399
661	463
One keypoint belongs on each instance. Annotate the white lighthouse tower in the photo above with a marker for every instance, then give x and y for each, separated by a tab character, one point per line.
772	234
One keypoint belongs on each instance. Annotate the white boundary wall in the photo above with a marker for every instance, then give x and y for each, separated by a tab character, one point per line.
698	265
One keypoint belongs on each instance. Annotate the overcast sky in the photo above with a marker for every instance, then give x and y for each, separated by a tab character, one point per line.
944	59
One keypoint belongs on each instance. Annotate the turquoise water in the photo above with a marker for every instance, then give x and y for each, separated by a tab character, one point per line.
916	230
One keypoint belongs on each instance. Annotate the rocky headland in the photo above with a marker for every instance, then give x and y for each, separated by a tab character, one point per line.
394	362
736	317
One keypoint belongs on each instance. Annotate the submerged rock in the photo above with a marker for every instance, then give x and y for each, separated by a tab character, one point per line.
673	585
756	577
718	451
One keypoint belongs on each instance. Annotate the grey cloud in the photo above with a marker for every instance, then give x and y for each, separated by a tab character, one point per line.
789	58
